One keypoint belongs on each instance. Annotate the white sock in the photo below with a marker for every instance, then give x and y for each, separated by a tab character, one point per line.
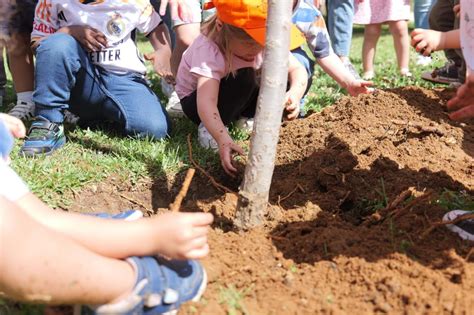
26	97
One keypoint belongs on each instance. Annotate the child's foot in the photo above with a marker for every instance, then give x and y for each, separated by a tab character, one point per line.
205	139
162	286
368	75
405	72
465	229
174	107
23	110
44	137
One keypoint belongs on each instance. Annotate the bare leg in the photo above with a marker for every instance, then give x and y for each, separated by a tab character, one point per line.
185	35
40	265
371	36
401	41
21	62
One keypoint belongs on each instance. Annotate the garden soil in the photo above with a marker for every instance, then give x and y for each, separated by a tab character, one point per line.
351	223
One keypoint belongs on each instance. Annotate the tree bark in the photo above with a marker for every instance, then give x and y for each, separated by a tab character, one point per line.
253	196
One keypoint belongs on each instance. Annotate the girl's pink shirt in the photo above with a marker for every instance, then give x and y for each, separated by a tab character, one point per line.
204	59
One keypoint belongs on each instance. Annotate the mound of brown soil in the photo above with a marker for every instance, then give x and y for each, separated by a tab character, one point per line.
355	191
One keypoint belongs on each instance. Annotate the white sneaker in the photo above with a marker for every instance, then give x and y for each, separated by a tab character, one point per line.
205	139
166	88
245	124
23	110
423	60
173	107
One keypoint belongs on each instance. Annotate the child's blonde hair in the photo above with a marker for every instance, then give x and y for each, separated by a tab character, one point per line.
222	38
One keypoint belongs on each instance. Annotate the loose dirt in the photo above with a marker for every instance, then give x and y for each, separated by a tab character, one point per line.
332	243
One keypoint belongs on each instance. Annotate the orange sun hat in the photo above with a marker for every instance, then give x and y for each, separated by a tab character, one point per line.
251	16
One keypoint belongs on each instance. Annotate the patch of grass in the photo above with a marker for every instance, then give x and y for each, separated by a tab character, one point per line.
454	200
233	298
366	207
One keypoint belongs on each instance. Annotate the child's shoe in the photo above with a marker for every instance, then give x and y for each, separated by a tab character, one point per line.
162	286
128	215
174	108
465	229
368	75
23	110
449	73
44	137
245	124
405	72
205	139
423	60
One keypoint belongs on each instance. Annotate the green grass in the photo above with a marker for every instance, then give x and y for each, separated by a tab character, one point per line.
91	156
233	299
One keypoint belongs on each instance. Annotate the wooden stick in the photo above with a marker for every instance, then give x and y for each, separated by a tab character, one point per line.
420	126
137	203
398	212
467	216
197	166
184	190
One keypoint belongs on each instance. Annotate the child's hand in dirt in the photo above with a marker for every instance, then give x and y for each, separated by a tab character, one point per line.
463	103
357	87
181	235
227	149
90	38
426	41
292	106
161	64
15	125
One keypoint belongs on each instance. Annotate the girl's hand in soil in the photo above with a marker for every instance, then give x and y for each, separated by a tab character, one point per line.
227	149
161	64
90	38
426	41
292	108
181	235
463	103
357	87
14	125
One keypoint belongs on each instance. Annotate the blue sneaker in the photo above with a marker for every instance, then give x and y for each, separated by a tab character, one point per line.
44	137
128	215
162	286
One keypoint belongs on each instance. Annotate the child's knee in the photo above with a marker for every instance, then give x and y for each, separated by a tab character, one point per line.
373	30
399	28
59	44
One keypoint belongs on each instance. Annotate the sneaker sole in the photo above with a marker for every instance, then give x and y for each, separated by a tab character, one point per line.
438	79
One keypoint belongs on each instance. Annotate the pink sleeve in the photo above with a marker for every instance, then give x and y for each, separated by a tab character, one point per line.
208	61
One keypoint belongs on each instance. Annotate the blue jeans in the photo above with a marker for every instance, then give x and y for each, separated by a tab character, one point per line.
65	78
422	10
340	16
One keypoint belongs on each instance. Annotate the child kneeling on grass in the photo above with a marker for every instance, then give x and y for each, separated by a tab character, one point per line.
109	265
217	77
87	61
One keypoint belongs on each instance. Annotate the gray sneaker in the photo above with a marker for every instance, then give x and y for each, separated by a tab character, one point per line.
23	110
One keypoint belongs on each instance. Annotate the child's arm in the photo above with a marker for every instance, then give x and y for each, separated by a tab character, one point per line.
298	79
207	95
161	57
174	235
427	41
333	66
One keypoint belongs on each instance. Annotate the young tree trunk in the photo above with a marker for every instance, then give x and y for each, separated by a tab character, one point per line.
253	196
